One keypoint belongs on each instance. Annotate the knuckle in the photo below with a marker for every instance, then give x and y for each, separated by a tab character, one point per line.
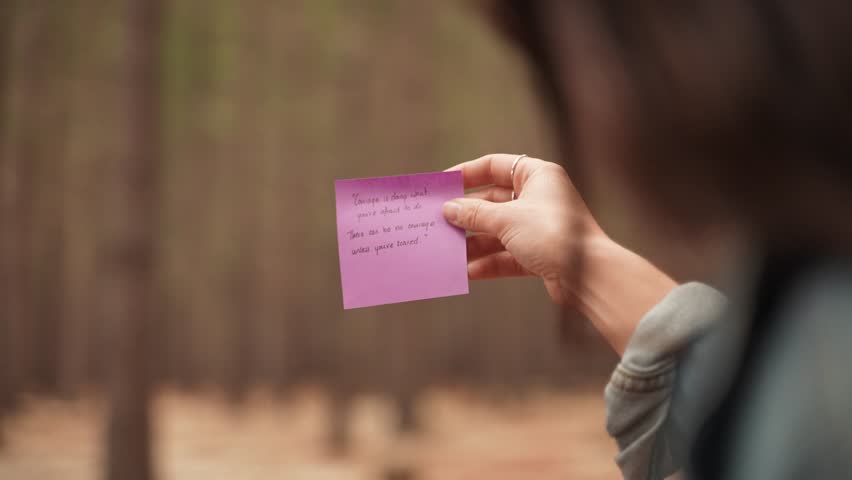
486	158
508	235
552	167
472	214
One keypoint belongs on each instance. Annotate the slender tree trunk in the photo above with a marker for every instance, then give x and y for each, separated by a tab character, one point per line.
128	254
340	412
9	296
417	140
406	404
19	183
52	109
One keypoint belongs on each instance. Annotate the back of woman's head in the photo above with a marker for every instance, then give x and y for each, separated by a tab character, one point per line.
710	109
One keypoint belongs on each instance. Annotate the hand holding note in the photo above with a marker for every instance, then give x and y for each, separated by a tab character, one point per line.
393	241
537	234
396	246
542	233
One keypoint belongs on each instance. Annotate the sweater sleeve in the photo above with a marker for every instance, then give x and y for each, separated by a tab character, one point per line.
638	396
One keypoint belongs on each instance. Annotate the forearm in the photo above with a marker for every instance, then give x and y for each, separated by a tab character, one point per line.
618	288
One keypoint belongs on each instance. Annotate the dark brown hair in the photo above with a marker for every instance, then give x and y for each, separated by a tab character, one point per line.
738	108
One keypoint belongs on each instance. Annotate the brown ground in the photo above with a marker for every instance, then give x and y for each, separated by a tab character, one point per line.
547	436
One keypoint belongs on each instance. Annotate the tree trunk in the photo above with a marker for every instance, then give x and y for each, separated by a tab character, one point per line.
406	404
128	262
340	411
9	296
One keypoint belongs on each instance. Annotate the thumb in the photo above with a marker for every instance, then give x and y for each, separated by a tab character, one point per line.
477	215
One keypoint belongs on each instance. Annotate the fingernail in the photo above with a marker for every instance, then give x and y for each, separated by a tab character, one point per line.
452	211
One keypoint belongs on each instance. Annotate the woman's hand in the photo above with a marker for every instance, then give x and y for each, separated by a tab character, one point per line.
533	235
538	234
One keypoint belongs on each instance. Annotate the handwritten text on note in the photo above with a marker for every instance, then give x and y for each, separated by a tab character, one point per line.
393	241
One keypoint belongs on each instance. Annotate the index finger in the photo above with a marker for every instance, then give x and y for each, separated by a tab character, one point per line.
495	169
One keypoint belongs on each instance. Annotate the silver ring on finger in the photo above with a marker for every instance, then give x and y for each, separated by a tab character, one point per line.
512	174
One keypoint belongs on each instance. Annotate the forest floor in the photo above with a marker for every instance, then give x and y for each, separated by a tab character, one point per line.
464	436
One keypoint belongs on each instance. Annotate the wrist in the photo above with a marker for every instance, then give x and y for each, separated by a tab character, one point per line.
616	288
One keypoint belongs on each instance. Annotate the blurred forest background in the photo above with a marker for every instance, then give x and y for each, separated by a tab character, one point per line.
252	108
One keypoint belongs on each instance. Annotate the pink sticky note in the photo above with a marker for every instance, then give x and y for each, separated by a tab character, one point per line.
394	243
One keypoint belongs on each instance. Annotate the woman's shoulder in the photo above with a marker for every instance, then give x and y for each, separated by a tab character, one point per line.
795	409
